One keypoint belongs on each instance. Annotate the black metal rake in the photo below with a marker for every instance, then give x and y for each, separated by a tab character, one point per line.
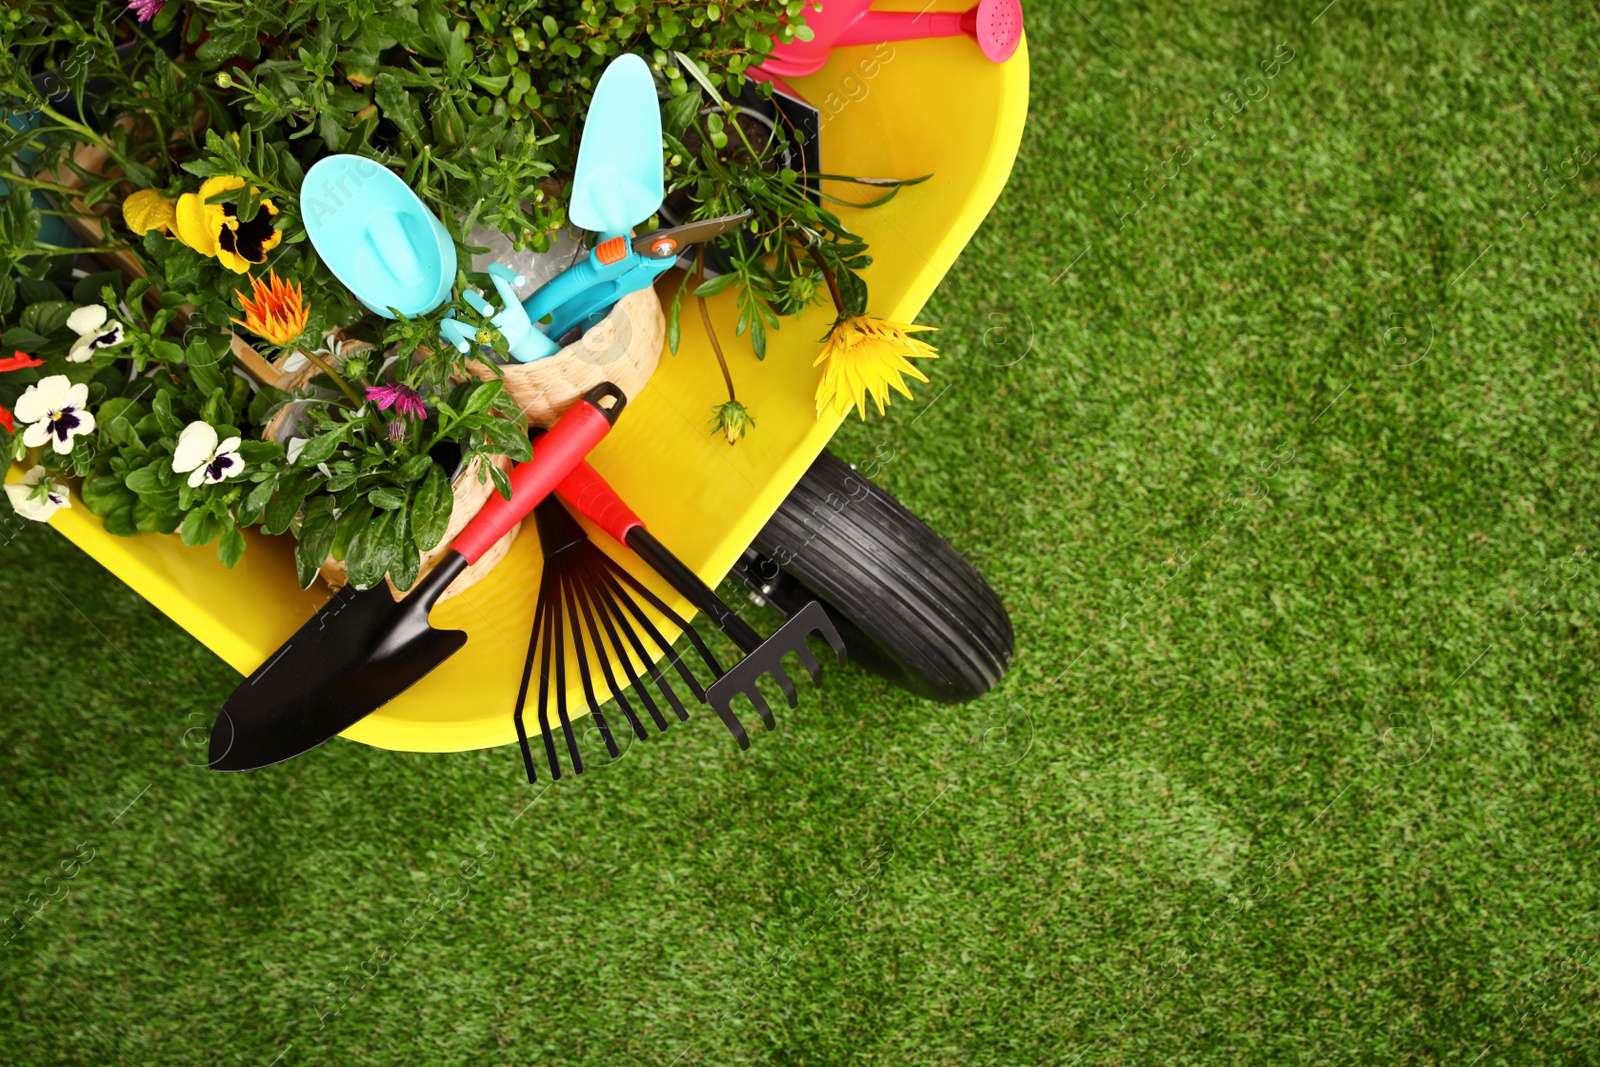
594	498
588	600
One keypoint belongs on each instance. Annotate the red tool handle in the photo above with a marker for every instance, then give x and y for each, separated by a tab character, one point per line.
585	490
555	454
599	503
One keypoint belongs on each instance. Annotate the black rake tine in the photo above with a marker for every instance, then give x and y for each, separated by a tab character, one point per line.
810	660
669	652
585	673
560	630
644	656
787	685
605	607
781	676
546	628
734	725
522	690
569	588
585	594
761	707
725	712
677	620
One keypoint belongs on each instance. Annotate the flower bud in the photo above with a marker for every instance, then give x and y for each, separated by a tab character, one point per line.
732	419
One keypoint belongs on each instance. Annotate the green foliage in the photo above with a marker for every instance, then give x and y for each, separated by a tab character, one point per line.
794	250
381	497
478	106
1190	840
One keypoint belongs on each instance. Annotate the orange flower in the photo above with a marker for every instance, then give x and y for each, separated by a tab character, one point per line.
278	312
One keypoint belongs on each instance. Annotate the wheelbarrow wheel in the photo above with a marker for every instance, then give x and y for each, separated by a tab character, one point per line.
909	606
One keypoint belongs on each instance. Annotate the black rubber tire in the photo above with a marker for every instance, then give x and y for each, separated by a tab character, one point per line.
908	605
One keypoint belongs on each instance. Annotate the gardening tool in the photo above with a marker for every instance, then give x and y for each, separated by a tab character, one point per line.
597	501
582	592
995	24
644	260
362	649
618	266
376	236
617	184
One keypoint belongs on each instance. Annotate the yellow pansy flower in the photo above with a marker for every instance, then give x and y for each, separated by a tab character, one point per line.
214	229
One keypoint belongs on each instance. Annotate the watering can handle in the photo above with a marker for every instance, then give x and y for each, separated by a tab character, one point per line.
876	27
554	456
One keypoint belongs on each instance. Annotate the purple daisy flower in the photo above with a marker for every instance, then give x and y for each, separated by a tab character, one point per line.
402	398
146	9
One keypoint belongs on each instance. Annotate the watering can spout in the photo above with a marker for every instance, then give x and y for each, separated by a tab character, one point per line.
996	26
875	27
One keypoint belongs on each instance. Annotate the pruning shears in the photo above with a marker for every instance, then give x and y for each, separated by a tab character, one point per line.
584	293
617	266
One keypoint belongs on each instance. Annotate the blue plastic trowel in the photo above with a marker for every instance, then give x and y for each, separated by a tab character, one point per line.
383	243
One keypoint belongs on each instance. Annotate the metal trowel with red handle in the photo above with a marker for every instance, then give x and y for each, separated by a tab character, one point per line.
363	649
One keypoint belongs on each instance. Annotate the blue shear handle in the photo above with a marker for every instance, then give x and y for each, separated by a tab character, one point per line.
574	296
593	303
570	283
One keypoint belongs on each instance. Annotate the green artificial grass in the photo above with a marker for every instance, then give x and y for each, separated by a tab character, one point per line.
1288	480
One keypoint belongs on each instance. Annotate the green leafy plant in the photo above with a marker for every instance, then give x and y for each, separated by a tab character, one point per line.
177	146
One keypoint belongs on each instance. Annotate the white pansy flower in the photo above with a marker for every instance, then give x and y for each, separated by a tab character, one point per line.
54	408
37	496
94	332
204	457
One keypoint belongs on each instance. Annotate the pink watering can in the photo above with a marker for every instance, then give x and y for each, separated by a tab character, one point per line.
995	24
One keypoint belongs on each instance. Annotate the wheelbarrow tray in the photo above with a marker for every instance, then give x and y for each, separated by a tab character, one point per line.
902	110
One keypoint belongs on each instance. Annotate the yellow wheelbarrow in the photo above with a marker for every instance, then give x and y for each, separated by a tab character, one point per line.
769	508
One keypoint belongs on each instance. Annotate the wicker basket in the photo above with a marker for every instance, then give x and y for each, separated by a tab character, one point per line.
469	492
623	348
470	495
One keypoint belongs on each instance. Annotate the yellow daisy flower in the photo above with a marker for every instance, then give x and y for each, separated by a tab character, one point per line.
868	356
214	229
